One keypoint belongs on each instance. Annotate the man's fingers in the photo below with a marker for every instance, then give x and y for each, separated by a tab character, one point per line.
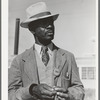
48	88
47	97
59	89
63	95
48	93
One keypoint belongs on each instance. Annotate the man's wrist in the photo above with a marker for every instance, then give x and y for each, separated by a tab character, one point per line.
31	88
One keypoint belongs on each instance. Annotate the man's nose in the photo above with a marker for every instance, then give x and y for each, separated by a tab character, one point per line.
49	26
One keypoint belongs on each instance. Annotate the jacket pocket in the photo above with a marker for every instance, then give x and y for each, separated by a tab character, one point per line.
65	82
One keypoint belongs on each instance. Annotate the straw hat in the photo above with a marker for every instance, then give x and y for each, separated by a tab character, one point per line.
37	11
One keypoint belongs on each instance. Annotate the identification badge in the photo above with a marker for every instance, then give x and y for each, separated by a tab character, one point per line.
56	72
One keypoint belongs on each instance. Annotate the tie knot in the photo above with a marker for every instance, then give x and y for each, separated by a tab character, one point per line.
44	49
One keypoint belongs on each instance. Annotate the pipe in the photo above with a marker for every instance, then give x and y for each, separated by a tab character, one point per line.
16	43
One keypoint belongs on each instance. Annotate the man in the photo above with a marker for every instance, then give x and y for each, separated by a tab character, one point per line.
45	71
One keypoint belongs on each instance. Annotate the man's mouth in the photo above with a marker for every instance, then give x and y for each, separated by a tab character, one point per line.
50	33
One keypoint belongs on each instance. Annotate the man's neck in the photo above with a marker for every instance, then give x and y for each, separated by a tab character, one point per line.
50	46
42	42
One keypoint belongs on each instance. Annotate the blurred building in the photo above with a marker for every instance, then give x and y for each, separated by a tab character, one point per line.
87	70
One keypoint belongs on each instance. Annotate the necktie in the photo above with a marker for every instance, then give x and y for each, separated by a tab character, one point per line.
45	55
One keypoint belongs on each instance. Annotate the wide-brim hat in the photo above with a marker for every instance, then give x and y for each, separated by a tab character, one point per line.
36	12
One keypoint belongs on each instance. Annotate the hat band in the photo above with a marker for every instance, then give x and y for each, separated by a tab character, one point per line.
41	14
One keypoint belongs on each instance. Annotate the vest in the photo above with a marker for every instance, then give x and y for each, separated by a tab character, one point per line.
45	72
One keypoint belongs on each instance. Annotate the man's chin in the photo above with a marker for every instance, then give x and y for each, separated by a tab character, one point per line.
49	39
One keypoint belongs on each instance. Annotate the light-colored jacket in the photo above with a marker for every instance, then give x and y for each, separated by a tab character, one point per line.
23	72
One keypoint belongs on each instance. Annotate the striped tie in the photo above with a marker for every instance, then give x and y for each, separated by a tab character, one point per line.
45	55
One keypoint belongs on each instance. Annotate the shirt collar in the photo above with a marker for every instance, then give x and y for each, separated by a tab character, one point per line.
38	48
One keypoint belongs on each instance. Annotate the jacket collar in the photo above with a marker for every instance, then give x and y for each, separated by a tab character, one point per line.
30	51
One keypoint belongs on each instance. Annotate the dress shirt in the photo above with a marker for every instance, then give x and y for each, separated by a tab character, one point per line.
38	48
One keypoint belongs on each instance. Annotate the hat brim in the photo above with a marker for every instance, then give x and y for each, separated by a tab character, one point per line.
25	23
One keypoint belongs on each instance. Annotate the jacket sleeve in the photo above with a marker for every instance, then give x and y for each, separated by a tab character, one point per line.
15	89
76	91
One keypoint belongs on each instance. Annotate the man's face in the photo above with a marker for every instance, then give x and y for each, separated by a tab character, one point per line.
44	29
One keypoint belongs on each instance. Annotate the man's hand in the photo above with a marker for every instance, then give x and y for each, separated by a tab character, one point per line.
61	92
43	91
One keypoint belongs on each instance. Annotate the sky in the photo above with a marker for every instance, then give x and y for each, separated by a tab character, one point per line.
75	28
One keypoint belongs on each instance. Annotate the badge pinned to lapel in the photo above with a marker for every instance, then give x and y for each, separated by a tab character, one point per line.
56	72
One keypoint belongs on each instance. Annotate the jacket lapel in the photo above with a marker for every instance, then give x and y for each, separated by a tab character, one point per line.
60	61
30	66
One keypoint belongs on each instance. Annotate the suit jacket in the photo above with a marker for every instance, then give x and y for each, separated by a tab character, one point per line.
23	72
